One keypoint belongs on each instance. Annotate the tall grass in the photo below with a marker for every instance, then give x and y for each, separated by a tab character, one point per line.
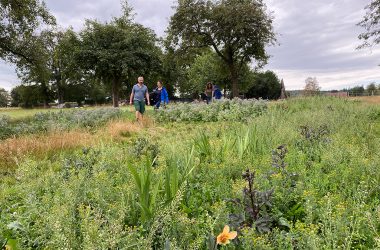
325	192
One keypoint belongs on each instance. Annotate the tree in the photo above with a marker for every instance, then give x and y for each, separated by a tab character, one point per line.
206	68
117	51
20	21
28	96
4	98
371	24
265	85
371	89
237	30
356	91
66	76
311	87
39	70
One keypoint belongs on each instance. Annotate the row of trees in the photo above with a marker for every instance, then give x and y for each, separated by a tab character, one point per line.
219	41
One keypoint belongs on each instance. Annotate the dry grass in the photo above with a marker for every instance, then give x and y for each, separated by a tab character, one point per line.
124	129
14	149
120	129
368	99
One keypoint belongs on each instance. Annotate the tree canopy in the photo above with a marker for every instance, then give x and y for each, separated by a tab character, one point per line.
20	21
371	24
265	85
117	51
238	31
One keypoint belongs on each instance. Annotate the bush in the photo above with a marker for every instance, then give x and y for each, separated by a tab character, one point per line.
57	121
222	110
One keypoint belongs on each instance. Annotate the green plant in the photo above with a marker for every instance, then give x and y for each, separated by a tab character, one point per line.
146	189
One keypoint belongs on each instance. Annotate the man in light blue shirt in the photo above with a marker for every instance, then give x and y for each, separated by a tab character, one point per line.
138	95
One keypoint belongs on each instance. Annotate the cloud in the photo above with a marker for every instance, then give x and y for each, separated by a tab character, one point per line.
317	38
8	77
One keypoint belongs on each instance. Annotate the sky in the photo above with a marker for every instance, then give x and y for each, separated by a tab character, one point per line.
315	38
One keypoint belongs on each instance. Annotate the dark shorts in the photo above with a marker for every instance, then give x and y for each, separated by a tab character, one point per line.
139	106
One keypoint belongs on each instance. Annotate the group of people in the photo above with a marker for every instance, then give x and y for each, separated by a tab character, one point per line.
140	95
211	92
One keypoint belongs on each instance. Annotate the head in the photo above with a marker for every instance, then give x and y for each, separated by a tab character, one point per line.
159	83
140	80
209	85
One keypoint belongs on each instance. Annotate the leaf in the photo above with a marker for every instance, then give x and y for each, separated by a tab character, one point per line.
211	242
263	224
282	222
12	244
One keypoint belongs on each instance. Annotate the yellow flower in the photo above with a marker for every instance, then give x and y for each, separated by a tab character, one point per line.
8	247
225	237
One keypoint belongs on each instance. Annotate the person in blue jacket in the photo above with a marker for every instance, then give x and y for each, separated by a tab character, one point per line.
217	93
161	95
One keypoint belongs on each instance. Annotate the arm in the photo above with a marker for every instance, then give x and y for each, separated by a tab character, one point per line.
147	97
131	99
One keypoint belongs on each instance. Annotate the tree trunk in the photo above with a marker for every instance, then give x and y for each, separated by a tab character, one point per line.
45	95
115	92
234	80
60	91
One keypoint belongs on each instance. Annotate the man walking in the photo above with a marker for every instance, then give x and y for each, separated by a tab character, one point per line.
138	95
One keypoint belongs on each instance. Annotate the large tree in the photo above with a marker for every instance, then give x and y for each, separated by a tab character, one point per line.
238	31
20	21
118	51
4	97
371	24
37	71
265	85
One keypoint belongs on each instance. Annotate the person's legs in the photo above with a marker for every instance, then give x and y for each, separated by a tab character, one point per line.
157	105
142	109
137	105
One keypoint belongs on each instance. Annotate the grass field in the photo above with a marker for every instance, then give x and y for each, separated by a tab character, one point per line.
368	99
302	175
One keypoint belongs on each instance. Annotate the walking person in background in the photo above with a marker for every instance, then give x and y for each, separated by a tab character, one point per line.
161	95
217	93
209	92
138	95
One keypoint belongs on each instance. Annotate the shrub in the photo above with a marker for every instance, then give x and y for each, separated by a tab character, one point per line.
222	110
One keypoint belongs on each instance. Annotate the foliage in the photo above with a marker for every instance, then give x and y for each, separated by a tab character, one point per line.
256	206
223	110
237	30
57	121
20	21
311	86
206	68
117	51
265	85
90	199
370	23
357	91
4	98
29	96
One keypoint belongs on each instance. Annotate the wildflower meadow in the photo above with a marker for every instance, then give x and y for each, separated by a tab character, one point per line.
298	174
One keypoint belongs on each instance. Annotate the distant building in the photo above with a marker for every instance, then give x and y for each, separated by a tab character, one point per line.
337	94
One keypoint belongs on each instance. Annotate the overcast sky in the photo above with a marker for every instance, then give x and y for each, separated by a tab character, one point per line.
316	38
